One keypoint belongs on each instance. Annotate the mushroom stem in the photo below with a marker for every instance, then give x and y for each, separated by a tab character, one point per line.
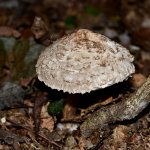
70	103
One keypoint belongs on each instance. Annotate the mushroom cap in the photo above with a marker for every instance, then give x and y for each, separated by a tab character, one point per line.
84	61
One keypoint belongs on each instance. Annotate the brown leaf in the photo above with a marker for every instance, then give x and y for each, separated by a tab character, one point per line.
39	28
137	80
47	120
25	81
120	133
40	100
8	31
40	31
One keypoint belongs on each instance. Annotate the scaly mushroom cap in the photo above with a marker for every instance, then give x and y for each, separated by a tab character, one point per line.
84	61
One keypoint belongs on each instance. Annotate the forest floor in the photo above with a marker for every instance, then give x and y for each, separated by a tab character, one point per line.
31	112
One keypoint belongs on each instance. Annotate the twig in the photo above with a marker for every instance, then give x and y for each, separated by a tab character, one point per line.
92	108
124	110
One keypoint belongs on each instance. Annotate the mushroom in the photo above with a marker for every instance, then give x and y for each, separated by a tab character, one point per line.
83	61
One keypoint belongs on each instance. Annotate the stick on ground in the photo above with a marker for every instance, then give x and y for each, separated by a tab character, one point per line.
124	110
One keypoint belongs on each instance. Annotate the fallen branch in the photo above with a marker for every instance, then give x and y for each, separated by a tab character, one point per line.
124	110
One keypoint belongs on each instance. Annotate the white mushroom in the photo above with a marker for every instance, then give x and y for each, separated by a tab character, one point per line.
84	61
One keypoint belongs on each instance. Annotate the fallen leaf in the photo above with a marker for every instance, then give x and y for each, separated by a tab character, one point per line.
46	120
137	80
120	133
8	31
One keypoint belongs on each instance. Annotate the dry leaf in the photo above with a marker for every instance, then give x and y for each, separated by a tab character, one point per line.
8	31
137	80
46	119
120	133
